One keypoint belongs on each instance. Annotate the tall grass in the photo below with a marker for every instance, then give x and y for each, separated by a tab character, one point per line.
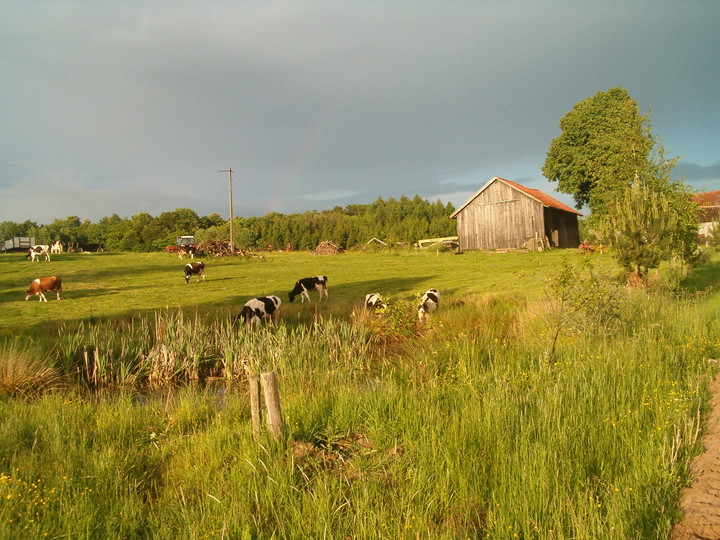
25	370
461	427
467	429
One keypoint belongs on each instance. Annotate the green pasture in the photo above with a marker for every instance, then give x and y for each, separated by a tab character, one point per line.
99	285
543	400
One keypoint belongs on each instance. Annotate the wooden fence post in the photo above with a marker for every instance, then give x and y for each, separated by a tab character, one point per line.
255	413
272	403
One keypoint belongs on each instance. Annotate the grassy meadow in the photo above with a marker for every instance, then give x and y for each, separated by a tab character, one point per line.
541	401
99	285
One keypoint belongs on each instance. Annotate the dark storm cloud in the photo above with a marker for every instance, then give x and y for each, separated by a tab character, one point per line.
138	106
700	177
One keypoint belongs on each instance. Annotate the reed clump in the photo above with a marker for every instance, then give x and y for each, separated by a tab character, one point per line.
25	371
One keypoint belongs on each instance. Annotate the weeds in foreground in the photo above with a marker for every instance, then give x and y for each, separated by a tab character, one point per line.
467	430
584	301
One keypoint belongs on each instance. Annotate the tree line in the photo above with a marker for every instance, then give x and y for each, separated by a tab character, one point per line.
402	220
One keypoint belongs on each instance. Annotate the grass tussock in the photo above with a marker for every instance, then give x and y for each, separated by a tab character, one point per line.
25	371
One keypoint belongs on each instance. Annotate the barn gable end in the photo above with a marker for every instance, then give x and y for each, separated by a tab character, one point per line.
506	215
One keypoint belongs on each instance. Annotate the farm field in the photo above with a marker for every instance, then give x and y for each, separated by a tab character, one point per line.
97	285
541	401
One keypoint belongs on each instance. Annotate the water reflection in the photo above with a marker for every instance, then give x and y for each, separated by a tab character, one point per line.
217	392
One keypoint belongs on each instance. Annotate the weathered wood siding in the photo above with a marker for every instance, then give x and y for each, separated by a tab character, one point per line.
561	228
500	217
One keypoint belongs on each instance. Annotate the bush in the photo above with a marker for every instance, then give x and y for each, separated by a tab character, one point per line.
585	302
394	322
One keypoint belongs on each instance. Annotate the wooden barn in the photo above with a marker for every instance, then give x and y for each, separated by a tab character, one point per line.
505	215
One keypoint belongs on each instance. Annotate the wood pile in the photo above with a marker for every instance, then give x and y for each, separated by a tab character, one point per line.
327	248
220	248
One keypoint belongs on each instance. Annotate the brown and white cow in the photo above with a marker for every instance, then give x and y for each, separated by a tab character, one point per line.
194	269
57	247
42	285
36	251
189	249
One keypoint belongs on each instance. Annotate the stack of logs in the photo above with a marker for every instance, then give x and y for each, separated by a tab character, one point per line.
327	248
219	248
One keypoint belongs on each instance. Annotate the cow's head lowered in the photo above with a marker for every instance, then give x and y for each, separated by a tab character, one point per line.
264	308
302	286
42	285
35	252
429	303
194	269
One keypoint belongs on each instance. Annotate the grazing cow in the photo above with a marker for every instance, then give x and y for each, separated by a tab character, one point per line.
302	286
264	308
188	249
194	268
374	301
428	303
57	247
42	285
35	252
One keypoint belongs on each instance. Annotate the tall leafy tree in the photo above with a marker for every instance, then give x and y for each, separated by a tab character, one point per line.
212	220
604	145
181	221
111	231
607	157
10	229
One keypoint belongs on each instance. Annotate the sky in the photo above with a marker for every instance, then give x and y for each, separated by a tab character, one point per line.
137	106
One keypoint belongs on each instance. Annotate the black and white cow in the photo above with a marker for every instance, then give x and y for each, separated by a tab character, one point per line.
194	268
36	251
302	286
374	301
428	303
264	308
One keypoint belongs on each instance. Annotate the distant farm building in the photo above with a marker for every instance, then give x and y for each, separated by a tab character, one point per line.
709	214
709	204
505	215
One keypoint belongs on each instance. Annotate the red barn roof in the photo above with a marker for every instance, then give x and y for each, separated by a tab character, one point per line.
711	198
709	204
542	198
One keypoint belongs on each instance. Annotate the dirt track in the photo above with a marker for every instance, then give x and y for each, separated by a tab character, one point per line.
700	502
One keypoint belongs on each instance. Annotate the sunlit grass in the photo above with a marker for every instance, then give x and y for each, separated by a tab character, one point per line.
26	371
120	285
463	426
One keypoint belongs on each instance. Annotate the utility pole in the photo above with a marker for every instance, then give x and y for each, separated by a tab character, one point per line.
232	234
